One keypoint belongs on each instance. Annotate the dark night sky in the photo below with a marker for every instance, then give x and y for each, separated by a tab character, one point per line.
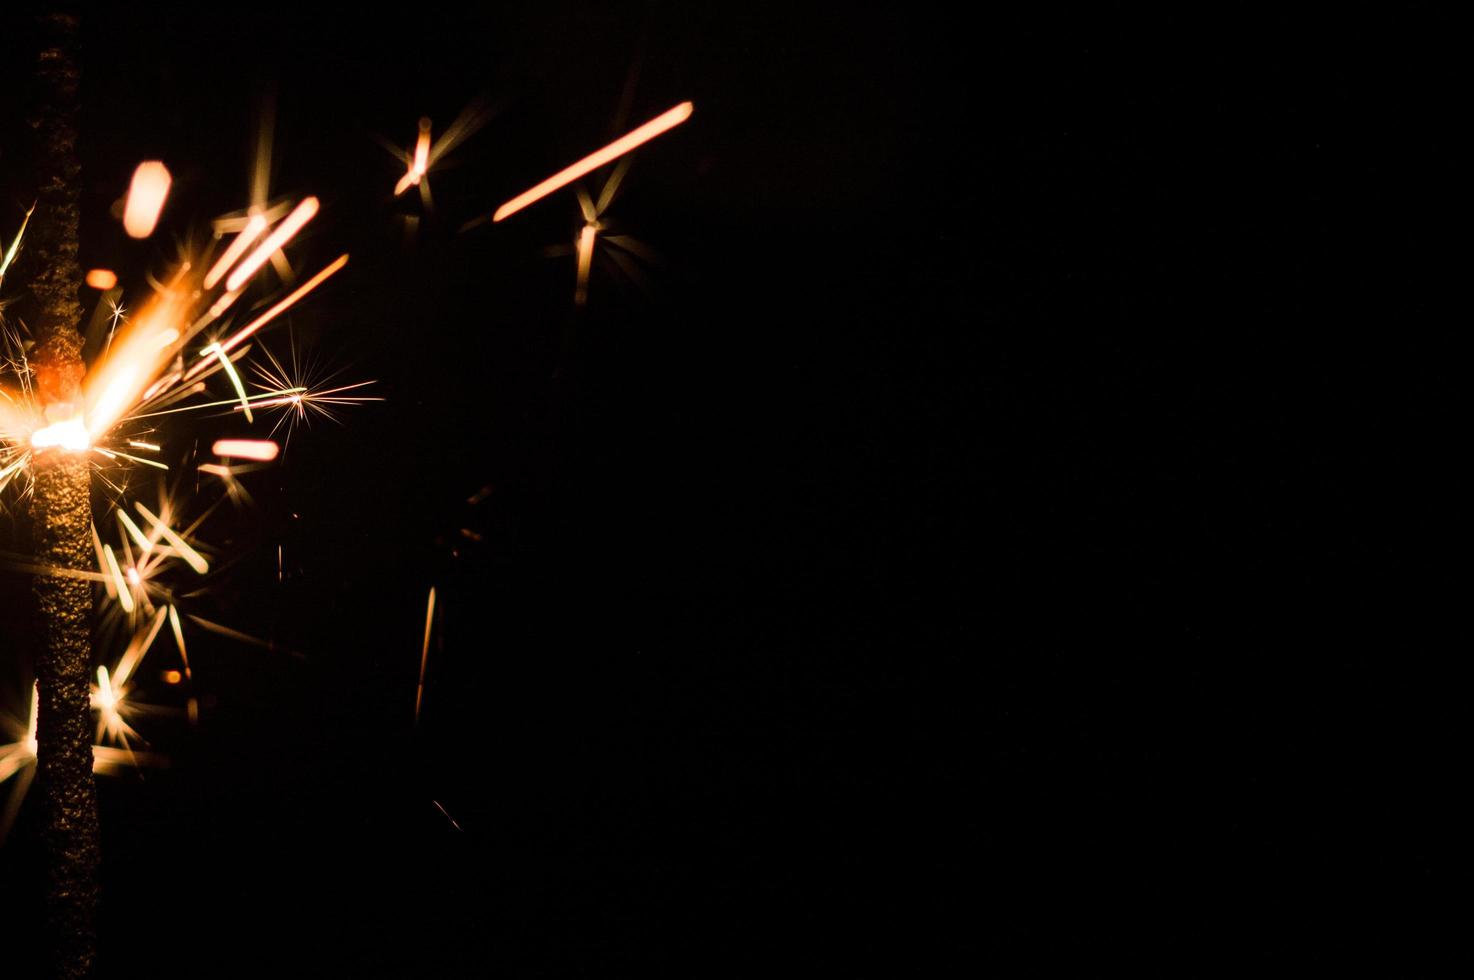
996	532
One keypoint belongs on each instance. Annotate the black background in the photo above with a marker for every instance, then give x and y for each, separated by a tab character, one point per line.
999	534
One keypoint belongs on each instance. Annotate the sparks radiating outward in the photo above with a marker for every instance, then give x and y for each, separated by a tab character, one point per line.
142	369
184	348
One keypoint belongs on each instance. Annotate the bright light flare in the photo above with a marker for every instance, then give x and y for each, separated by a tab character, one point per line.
279	236
259	449
146	196
103	279
138	353
70	435
660	124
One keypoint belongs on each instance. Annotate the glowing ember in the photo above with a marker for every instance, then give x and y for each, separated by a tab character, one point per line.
261	449
660	124
146	198
70	435
102	279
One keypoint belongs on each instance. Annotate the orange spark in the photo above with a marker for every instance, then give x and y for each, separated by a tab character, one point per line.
237	248
262	449
146	196
421	162
425	653
621	146
103	279
585	260
279	236
272	313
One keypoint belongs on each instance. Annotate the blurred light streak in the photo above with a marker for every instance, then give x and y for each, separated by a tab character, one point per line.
425	652
585	261
146	195
235	379
15	244
120	587
191	556
237	248
276	310
279	236
259	449
660	124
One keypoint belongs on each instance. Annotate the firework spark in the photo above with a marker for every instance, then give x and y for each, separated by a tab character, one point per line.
660	124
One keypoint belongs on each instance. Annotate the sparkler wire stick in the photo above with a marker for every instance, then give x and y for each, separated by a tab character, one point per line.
61	509
660	124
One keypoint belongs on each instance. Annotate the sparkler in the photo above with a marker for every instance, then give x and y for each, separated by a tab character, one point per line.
68	420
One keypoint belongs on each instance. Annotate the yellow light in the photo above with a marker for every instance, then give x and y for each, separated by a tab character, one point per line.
103	279
70	435
283	232
172	677
660	124
146	196
262	449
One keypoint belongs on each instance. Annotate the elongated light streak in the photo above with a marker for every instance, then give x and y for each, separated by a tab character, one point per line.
425	653
279	236
262	449
175	541
235	379
237	248
179	638
276	310
15	245
125	596
660	124
585	260
421	162
145	543
146	196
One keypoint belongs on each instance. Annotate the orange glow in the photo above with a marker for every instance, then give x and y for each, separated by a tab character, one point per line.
103	279
237	248
146	196
279	236
138	352
172	677
585	260
421	162
660	124
125	595
261	449
425	652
